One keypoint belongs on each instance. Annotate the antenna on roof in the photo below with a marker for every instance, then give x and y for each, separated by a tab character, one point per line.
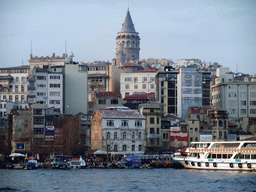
31	47
65	47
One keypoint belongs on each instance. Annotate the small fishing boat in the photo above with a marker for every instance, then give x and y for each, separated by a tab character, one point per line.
31	164
61	162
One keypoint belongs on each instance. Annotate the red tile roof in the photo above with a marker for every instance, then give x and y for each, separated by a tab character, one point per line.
140	96
108	94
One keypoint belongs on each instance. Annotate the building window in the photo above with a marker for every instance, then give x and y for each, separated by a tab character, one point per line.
191	130
41	94
152	120
102	101
41	77
133	135
110	123
114	101
152	141
127	86
38	131
133	147
124	135
115	148
54	93
127	94
54	85
138	123
191	139
144	86
128	79
135	79
243	102
108	148
54	77
41	85
144	79
38	121
125	123
252	103
140	148
22	88
54	102
139	136
243	111
17	79
135	86
158	141
115	135
158	131
16	98
252	111
124	147
108	135
152	130
152	86
16	88
196	130
157	120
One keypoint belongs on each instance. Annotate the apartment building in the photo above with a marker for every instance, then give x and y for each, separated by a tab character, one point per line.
13	87
46	87
142	81
236	94
153	113
118	132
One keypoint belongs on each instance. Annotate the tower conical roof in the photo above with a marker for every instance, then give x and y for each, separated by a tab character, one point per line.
128	24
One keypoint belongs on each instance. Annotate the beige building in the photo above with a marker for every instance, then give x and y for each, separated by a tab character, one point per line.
39	62
153	113
14	87
193	126
102	77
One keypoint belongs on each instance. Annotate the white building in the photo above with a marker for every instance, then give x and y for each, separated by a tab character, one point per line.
76	88
14	87
118	132
236	94
46	87
189	89
142	81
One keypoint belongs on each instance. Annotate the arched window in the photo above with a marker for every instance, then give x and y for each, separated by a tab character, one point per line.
133	147
139	136
124	147
128	44
115	148
124	135
140	148
108	135
133	135
220	123
115	135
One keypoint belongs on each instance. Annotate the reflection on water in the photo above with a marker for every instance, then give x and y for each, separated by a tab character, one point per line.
126	180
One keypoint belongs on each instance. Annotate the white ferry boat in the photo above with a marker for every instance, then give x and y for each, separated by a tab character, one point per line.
236	155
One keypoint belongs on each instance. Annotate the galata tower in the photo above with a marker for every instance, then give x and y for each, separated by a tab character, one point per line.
127	43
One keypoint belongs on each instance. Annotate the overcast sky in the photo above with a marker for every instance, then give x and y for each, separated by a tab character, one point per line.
220	31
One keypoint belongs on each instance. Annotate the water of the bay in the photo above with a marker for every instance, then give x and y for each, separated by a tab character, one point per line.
125	180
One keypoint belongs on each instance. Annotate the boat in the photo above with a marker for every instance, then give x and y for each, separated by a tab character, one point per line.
77	163
226	155
31	164
17	160
61	161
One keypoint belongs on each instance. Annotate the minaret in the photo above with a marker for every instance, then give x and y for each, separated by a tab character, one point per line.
127	42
